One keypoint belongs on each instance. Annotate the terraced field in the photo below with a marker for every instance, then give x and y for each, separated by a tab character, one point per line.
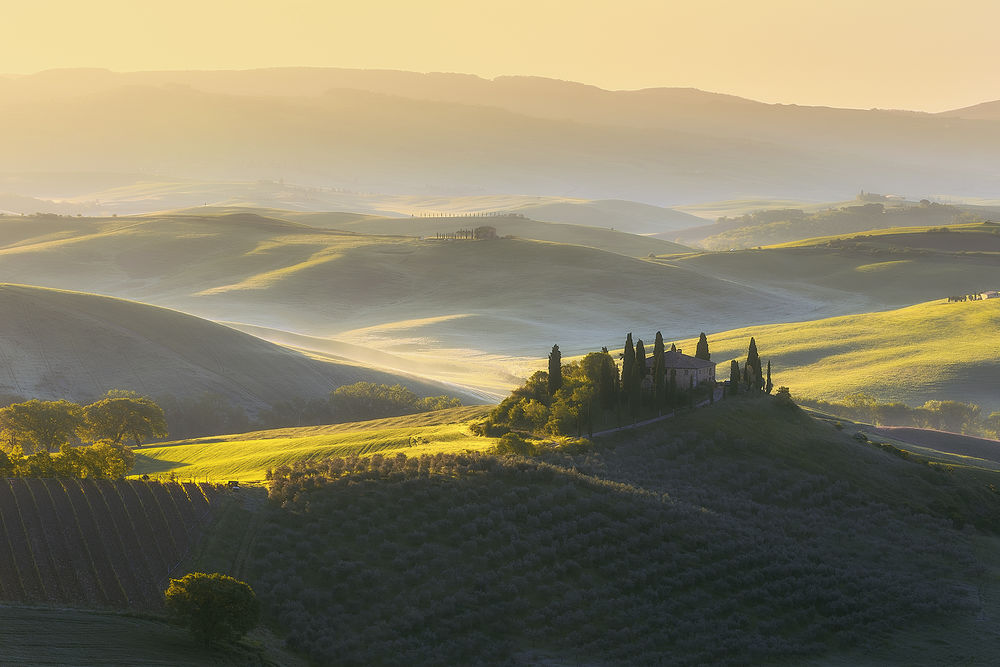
96	543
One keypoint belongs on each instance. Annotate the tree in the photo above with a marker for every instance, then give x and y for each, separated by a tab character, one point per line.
555	370
702	350
122	415
673	347
768	386
39	426
993	424
628	361
635	380
213	606
659	373
755	378
734	377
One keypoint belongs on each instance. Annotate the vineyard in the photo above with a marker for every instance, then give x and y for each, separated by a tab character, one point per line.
94	542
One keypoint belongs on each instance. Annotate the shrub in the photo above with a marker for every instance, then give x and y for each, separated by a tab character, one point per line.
512	444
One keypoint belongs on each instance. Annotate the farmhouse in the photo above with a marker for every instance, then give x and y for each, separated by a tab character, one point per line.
686	367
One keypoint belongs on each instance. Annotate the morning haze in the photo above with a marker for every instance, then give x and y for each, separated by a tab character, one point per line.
525	333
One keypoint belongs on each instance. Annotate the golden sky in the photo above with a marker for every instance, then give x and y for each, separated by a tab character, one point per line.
915	54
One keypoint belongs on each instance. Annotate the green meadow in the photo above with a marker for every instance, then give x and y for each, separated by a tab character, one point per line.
247	457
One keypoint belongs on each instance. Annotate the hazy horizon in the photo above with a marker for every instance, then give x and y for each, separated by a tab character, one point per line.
920	56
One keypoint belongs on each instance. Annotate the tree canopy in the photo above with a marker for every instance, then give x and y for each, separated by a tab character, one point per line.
213	606
39	426
123	415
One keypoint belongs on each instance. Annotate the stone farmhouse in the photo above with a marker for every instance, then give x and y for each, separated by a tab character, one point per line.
686	367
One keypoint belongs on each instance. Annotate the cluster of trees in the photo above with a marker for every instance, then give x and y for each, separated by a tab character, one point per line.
103	460
352	402
965	297
119	418
481	233
573	398
751	376
953	416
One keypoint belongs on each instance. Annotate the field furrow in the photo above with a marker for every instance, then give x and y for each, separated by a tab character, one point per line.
148	531
10	576
38	540
109	537
20	544
65	559
145	593
75	537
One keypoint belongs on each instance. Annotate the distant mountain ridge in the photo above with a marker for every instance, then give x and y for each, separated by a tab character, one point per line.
450	134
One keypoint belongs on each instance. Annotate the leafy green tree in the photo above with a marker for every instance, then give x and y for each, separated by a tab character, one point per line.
212	606
659	373
555	370
123	415
701	352
993	424
39	426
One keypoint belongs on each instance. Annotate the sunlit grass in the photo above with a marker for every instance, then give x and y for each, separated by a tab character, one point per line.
246	457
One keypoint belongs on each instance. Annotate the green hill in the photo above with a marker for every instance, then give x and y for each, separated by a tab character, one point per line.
248	456
935	350
59	344
777	226
740	533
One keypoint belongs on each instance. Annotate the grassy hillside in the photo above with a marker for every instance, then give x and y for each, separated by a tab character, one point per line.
934	350
60	344
247	456
776	226
855	275
600	238
743	532
420	297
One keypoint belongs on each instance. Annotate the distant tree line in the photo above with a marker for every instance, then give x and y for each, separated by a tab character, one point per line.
119	418
953	416
481	233
353	402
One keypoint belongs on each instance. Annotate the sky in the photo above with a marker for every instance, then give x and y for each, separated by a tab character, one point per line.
927	55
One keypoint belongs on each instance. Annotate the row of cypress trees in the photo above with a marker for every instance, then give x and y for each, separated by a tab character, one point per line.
752	374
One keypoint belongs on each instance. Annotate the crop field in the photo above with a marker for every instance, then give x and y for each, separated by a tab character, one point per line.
935	350
246	457
98	543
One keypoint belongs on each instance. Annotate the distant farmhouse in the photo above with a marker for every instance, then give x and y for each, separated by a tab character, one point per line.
686	367
993	294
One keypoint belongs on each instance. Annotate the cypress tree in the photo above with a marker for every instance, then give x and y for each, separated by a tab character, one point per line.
638	373
734	377
673	347
702	351
659	374
754	377
555	370
609	382
628	361
768	386
673	385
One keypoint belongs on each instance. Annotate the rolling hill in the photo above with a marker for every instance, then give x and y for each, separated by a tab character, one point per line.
778	226
931	351
58	344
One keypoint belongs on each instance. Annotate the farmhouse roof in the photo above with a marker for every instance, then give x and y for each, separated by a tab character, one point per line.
680	360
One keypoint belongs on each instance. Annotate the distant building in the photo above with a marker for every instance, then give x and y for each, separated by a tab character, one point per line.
993	294
686	367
